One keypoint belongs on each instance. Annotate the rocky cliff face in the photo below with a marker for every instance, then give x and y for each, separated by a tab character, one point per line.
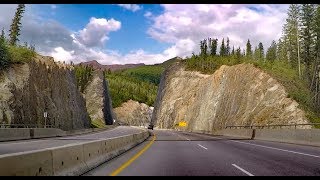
236	95
134	113
28	90
98	101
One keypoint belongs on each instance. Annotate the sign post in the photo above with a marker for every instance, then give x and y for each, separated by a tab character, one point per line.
45	115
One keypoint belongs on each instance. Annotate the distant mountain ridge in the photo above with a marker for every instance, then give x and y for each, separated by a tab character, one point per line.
114	67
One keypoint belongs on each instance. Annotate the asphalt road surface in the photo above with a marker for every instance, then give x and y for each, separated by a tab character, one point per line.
173	153
37	144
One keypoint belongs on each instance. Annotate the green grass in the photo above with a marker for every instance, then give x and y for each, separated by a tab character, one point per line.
296	87
20	54
14	54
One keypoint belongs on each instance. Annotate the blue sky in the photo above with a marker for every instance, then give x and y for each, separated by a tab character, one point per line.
141	33
131	36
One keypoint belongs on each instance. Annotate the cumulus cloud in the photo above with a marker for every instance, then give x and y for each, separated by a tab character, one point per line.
131	7
182	26
96	31
62	54
238	22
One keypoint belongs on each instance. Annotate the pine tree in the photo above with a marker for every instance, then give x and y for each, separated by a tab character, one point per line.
282	51
261	51
227	53
3	36
213	47
4	60
291	35
222	48
272	52
248	50
307	38
232	52
238	55
205	49
256	53
16	25
315	83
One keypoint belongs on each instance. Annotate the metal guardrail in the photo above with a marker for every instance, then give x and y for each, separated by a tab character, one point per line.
25	126
271	126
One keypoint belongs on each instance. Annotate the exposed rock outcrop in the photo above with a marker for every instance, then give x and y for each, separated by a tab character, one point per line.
134	113
233	95
98	101
28	90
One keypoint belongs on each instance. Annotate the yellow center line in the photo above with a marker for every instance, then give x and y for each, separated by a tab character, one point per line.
123	166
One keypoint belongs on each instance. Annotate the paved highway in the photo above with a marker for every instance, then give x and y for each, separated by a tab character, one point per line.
27	145
171	153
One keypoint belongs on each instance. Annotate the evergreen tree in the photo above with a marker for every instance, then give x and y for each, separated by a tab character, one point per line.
205	47
232	52
249	50
213	47
315	82
227	53
291	35
222	48
307	37
272	52
238	54
282	51
4	59
256	53
261	51
16	25
3	36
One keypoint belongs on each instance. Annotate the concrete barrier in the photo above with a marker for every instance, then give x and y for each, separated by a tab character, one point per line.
92	152
32	163
79	131
239	133
296	136
73	159
9	134
46	132
69	160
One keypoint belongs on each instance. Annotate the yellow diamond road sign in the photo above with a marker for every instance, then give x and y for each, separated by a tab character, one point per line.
182	123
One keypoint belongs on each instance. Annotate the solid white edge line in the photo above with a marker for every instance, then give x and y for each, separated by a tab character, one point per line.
249	174
202	146
278	149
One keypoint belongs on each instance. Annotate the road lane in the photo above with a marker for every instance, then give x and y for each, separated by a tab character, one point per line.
181	153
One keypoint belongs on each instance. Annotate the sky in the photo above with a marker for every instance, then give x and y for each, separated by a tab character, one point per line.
141	33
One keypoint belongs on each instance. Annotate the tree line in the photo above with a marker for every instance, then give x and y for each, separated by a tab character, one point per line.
299	47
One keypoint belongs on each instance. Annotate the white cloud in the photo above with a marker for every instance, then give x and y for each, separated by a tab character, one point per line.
61	54
53	6
182	26
238	22
148	14
96	31
182	48
131	7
